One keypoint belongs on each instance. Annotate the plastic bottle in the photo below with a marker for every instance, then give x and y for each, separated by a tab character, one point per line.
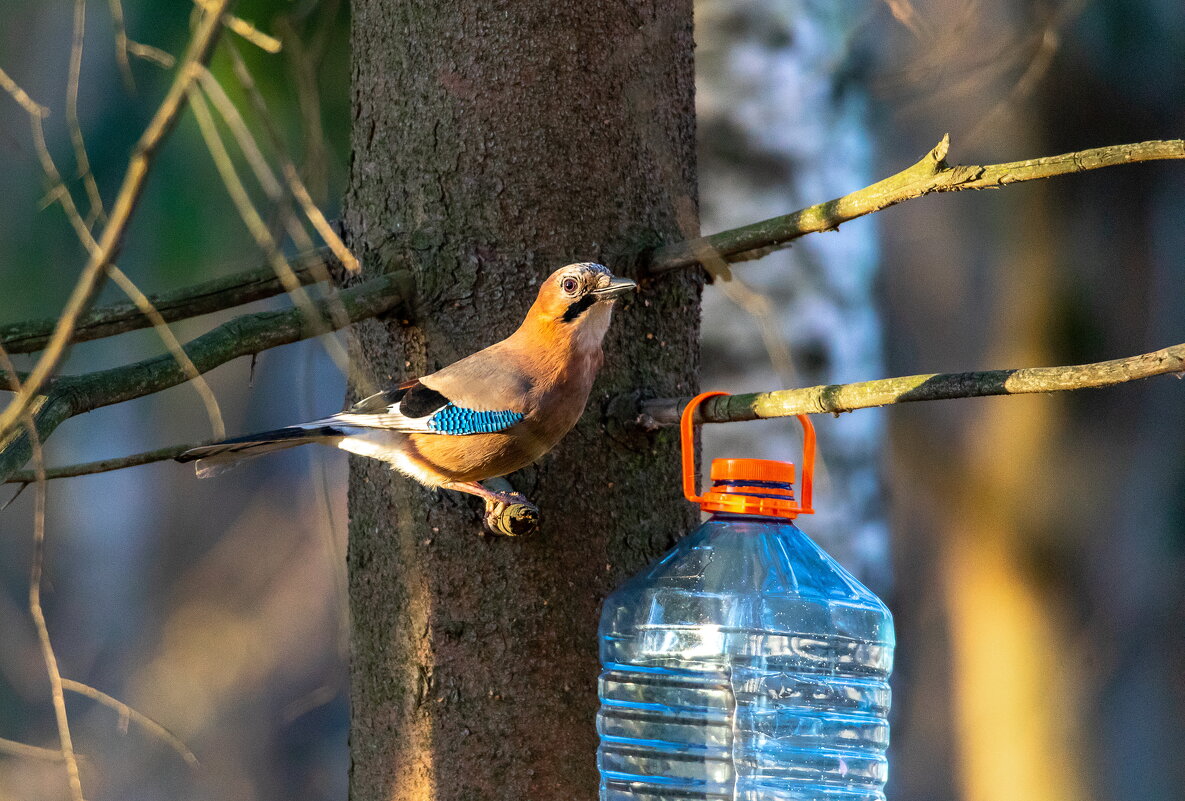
746	664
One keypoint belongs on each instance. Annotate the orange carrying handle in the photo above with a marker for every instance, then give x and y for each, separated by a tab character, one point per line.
687	438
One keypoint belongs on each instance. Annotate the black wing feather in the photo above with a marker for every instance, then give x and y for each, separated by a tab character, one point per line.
421	401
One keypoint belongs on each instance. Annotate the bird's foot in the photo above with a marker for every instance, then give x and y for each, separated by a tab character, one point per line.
511	514
506	513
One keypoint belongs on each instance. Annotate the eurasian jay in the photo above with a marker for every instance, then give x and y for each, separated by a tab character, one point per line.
487	415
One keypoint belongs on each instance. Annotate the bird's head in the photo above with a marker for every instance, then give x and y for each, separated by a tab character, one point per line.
578	300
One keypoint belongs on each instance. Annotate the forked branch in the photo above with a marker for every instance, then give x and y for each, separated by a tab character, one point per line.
111	240
931	174
254	333
243	336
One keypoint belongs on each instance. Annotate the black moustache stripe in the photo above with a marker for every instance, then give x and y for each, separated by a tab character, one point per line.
578	307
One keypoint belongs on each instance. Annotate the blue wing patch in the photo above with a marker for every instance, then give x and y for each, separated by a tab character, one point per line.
456	420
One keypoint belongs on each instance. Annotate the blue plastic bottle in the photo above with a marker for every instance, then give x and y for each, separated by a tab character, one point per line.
746	664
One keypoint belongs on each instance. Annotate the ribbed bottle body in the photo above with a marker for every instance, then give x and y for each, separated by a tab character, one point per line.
746	664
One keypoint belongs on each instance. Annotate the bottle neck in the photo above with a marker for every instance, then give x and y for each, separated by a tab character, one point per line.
751	498
735	517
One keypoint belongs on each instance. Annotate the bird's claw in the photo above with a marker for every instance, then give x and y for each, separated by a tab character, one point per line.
511	515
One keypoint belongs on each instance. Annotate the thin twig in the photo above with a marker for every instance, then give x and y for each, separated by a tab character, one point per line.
81	160
250	148
107	465
157	56
246	142
121	44
126	201
173	345
21	97
268	44
19	491
303	72
195	300
291	175
18	749
128	713
138	298
36	612
931	174
242	336
837	398
257	227
58	191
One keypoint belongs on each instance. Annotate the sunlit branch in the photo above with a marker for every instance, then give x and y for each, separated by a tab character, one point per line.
931	174
126	201
121	44
21	96
291	175
268	44
18	749
255	224
34	439
81	159
129	713
836	398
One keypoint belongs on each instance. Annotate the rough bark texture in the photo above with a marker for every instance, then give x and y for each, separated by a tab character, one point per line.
492	143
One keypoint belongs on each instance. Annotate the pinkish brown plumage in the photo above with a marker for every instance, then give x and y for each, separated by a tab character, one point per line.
486	415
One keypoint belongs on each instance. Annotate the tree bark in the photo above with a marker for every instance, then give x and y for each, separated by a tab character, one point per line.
493	143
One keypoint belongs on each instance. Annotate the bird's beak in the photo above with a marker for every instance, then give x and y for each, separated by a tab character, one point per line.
617	286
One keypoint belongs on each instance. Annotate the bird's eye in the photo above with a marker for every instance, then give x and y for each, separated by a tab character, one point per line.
570	285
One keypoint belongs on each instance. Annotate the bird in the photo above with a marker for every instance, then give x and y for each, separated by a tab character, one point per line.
486	415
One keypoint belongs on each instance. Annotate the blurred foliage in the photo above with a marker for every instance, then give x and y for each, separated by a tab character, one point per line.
158	592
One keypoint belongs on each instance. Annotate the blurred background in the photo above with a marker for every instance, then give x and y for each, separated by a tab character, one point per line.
1032	548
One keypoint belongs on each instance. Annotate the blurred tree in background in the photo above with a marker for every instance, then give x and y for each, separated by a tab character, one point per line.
1037	542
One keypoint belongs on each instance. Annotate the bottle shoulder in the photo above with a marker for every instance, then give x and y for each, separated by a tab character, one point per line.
749	557
743	587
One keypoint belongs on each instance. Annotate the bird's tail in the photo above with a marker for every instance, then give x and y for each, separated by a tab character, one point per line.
220	457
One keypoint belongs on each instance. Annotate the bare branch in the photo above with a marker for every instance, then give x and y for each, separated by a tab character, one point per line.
121	44
22	98
931	174
295	184
81	159
173	345
242	336
36	611
154	54
107	465
127	713
126	201
837	398
268	44
18	749
255	224
192	301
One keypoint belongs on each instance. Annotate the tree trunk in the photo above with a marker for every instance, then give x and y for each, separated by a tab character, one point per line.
492	144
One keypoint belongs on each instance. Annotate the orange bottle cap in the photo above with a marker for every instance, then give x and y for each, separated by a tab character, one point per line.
748	486
752	470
